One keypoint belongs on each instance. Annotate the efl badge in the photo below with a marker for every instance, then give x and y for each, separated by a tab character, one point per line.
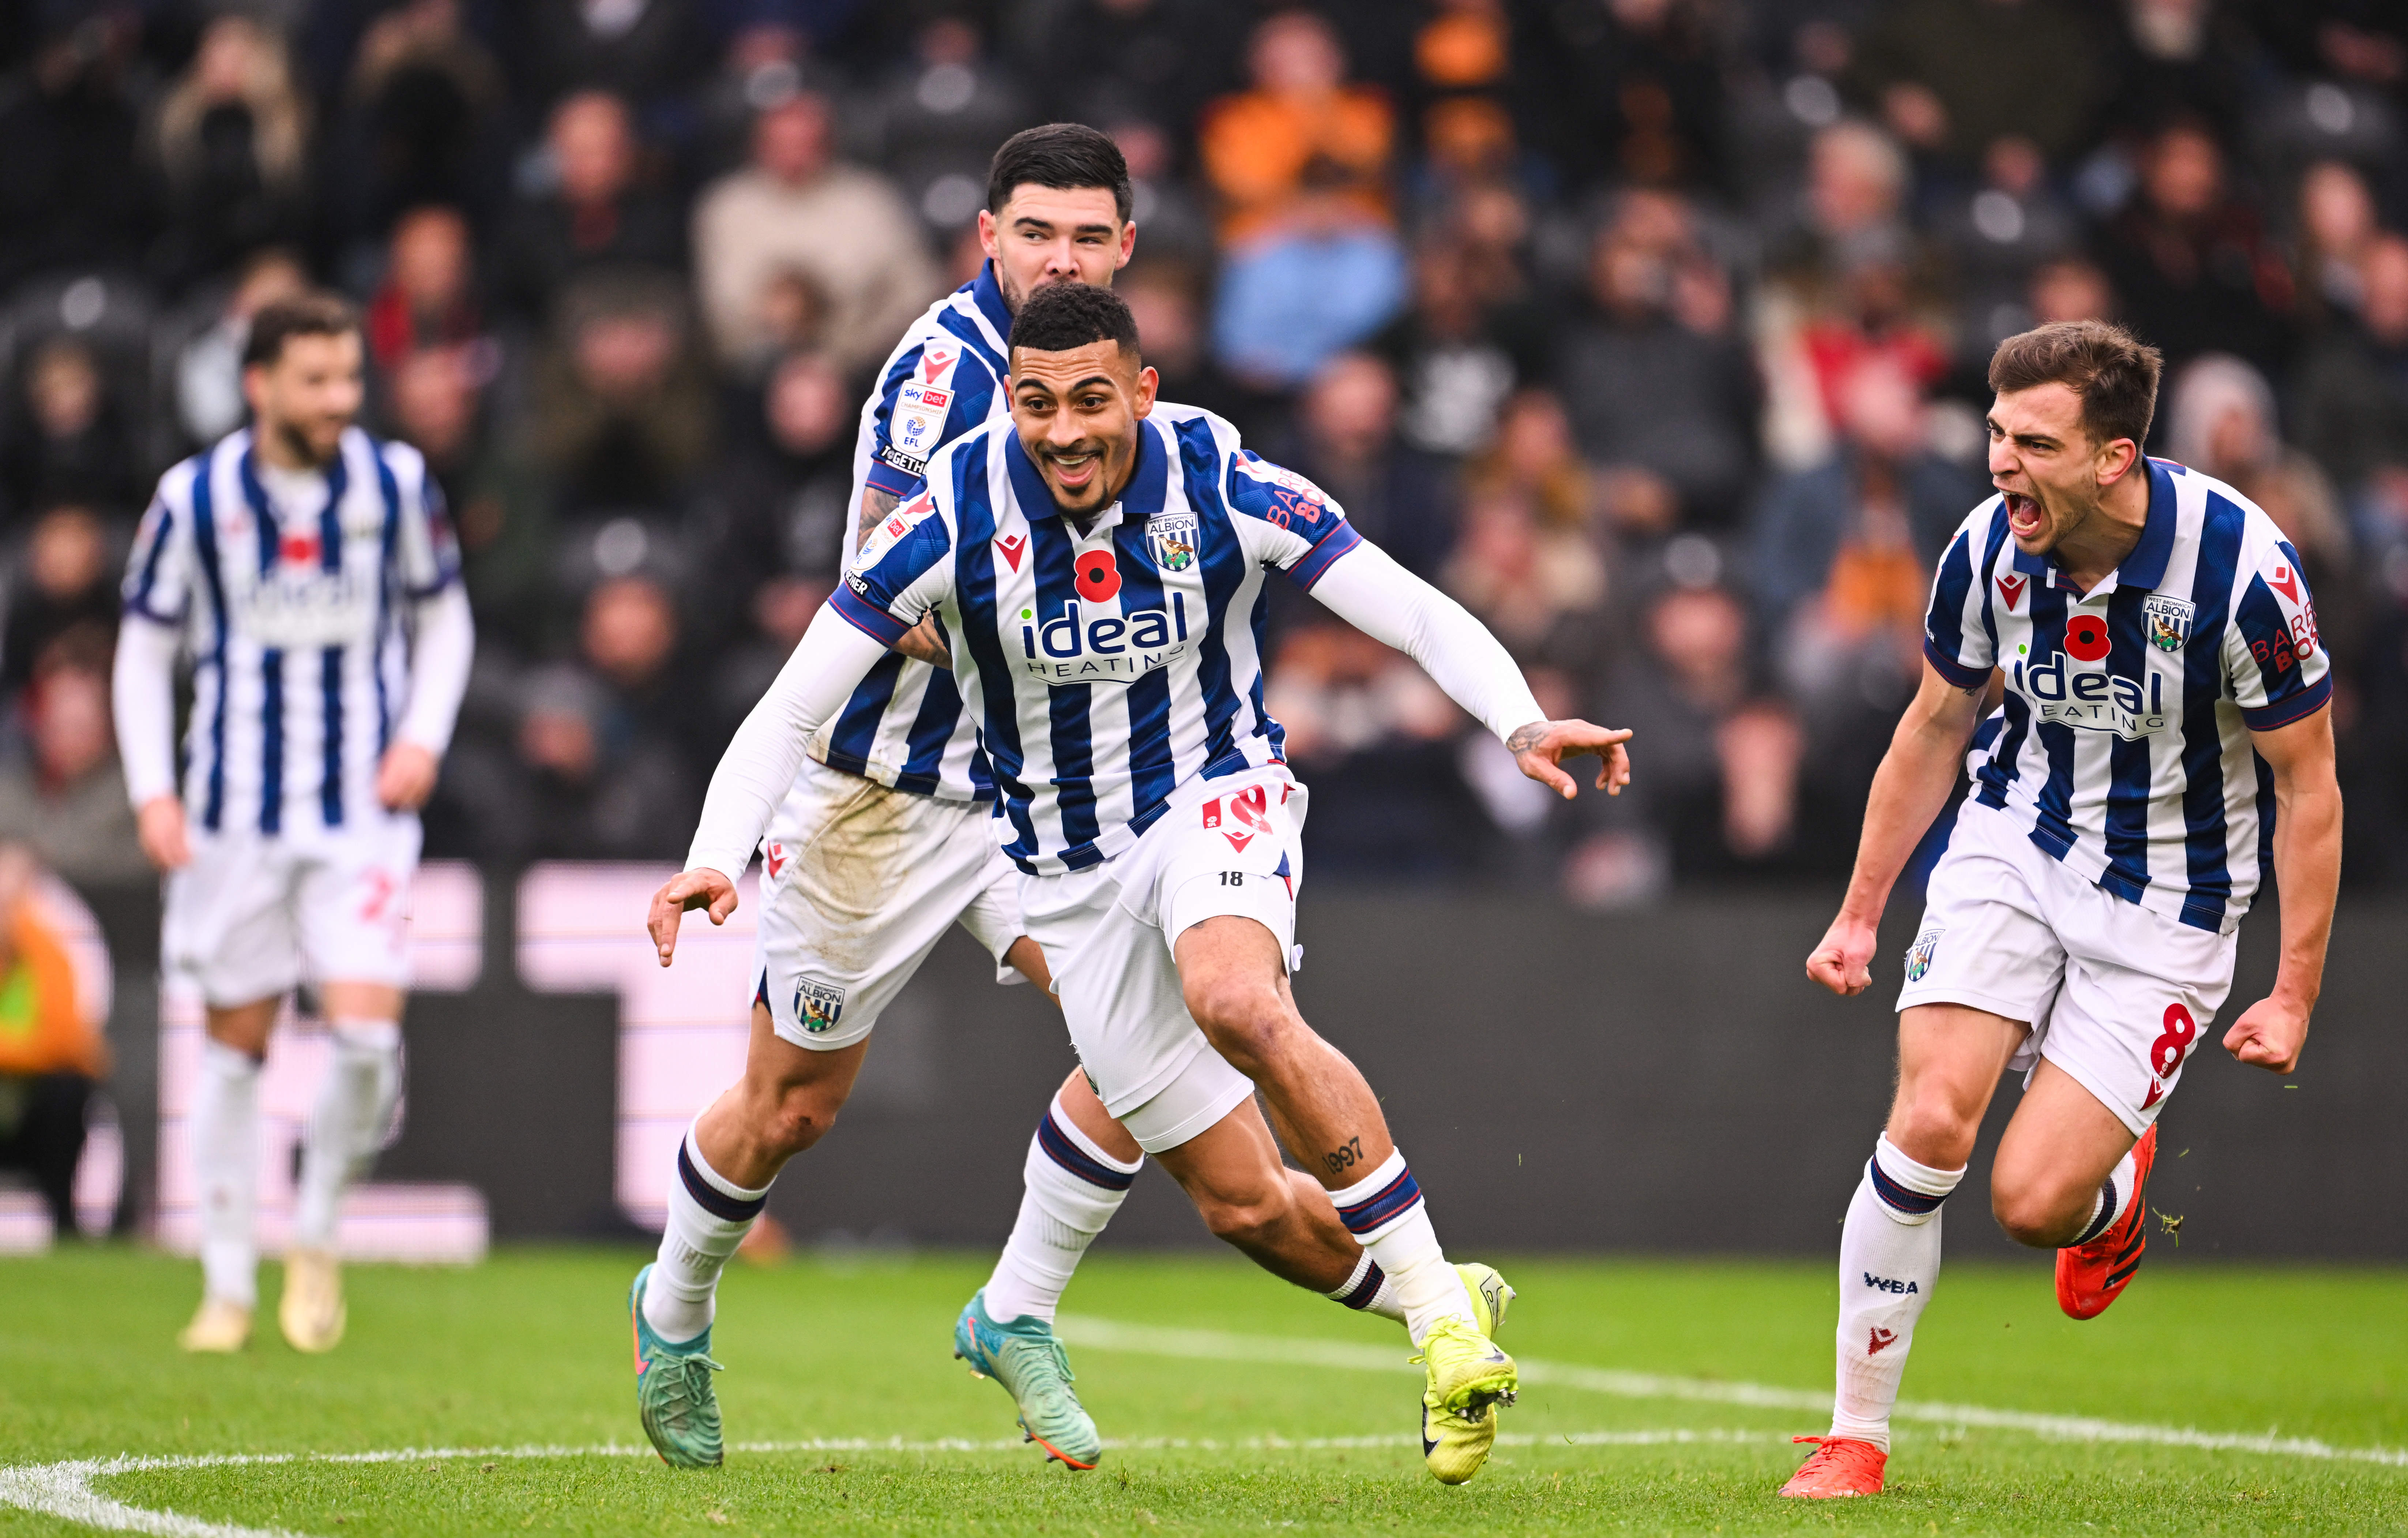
2169	621
1172	537
817	1004
1918	960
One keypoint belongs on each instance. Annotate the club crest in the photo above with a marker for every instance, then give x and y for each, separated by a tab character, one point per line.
2169	620
817	1004
1918	960
1172	537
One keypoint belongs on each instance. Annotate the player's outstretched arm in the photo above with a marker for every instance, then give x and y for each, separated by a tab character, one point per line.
758	767
1910	789
1369	591
2307	870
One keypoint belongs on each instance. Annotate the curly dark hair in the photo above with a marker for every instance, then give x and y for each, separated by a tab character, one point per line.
1062	316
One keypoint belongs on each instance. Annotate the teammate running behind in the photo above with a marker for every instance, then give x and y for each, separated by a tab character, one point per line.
310	571
1095	572
2165	697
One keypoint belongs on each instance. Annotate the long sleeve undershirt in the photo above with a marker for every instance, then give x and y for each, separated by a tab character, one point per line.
1365	588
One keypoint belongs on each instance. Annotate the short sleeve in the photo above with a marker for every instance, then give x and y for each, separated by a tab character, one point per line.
902	573
1289	521
2275	660
425	550
1956	635
158	572
933	392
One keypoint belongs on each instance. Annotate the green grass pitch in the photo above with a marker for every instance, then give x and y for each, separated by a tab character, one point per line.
1272	1410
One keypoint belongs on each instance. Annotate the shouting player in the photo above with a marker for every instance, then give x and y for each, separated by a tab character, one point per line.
310	569
2164	696
882	842
1095	569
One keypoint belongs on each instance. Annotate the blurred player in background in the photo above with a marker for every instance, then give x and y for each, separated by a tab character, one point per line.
310	571
1149	812
2165	694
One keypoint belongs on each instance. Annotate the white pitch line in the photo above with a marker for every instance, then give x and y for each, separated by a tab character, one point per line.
1215	1345
65	1489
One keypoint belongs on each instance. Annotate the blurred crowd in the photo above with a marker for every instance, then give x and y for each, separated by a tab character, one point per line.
1652	330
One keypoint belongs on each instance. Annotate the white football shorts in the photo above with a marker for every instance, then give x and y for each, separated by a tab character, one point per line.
858	882
253	914
1225	847
2116	996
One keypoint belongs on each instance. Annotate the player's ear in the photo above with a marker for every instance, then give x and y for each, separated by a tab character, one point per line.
1129	244
1148	382
2116	459
986	231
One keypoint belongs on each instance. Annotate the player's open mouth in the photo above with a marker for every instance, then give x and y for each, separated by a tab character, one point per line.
1073	471
2023	518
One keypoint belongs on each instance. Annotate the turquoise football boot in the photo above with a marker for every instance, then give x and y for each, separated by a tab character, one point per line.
1026	1357
673	1397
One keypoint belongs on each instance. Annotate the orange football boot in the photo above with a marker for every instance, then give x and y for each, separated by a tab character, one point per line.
2090	1277
1841	1465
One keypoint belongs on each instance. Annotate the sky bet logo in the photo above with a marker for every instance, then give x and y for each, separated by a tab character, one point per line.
2062	689
1109	648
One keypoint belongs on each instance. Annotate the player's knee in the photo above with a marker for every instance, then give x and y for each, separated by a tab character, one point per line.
794	1116
1246	1222
1247	1023
2029	1214
1931	1129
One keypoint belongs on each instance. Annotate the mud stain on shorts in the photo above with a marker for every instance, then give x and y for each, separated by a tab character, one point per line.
852	870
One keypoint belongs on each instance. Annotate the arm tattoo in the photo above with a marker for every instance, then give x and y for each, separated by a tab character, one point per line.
875	505
1525	738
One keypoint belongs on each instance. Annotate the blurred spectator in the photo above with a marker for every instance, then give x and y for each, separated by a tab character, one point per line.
1301	138
72	443
1175	225
1162	296
1951	77
1456	356
1114	61
1628	91
69	195
2337	230
1535	459
622	408
63	585
1652	374
2352	394
594	214
779	521
498	503
233	142
1324	281
1541	586
2072	289
2176	58
2220	418
1395	494
797	207
1721	792
65	797
51	1056
421	118
1997	237
645	53
209	367
941	115
2192	263
428	296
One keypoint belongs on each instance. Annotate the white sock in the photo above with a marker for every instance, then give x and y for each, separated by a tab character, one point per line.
1386	1213
226	1165
1889	1258
347	1128
708	1216
1370	1290
1070	1190
2114	1200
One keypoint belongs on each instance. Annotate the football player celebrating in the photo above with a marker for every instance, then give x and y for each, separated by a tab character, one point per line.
2164	696
1095	569
311	572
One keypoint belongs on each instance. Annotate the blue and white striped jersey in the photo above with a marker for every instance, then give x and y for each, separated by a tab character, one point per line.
2123	744
1108	669
905	726
291	607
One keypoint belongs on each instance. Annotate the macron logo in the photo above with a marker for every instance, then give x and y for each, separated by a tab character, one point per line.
2012	589
1010	545
1880	1338
932	364
2285	583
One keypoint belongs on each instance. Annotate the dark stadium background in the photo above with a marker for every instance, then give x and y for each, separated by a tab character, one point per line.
1652	329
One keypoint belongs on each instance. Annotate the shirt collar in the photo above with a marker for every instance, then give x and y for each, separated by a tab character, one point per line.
1143	497
2146	567
987	294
